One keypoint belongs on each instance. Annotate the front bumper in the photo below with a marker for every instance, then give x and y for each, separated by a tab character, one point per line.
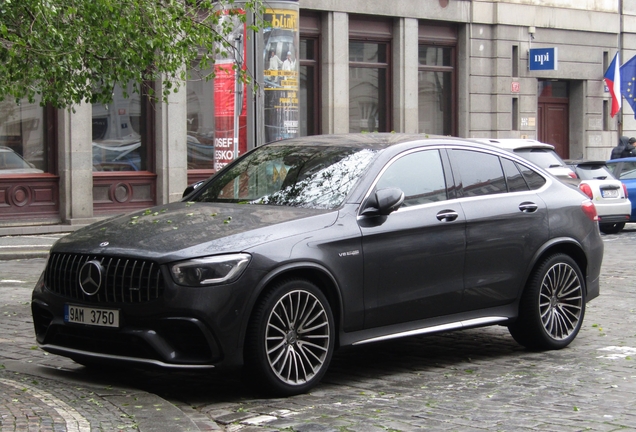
185	328
169	342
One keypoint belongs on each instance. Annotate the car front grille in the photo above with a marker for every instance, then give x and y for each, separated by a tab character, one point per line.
123	280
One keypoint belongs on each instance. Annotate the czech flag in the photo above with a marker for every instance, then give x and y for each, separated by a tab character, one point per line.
612	79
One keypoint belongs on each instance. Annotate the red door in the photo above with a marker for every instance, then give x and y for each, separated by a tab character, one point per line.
552	116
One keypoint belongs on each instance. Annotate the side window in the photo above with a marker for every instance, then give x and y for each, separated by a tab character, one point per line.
420	175
481	173
628	171
516	182
534	180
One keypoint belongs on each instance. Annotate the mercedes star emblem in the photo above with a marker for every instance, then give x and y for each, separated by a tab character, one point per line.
90	277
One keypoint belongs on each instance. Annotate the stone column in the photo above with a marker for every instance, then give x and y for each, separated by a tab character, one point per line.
75	164
171	160
405	75
335	73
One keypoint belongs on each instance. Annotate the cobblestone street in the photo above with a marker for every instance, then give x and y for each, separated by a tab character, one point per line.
472	380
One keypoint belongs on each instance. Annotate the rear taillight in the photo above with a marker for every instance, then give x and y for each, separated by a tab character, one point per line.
589	209
625	190
586	189
573	175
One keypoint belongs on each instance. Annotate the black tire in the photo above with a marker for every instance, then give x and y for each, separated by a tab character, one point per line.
290	339
611	228
552	305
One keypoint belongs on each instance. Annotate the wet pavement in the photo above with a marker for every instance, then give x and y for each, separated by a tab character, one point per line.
472	380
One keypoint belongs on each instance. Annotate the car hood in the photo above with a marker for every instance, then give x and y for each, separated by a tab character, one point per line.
182	230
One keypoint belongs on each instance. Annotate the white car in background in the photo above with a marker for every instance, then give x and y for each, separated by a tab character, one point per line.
539	153
609	195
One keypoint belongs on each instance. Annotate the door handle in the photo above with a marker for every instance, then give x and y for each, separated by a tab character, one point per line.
528	207
447	215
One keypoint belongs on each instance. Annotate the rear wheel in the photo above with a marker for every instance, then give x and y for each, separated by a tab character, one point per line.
611	228
552	305
290	339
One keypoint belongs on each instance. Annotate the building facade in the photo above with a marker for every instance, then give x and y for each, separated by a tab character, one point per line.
473	69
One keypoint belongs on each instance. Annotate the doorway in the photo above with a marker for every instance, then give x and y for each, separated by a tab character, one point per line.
553	116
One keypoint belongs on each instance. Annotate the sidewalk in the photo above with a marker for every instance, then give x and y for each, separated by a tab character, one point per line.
27	246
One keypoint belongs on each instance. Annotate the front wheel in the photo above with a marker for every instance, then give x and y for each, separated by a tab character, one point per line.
552	305
611	228
290	339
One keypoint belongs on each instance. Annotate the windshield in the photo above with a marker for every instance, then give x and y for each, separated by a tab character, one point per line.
545	158
290	175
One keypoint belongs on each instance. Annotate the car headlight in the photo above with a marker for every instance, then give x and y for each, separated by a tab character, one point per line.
209	270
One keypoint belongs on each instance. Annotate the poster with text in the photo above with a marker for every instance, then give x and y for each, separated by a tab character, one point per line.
281	65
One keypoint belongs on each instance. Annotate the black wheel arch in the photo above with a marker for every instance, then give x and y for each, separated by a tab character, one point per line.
565	245
311	271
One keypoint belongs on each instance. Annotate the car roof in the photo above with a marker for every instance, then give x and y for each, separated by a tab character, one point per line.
515	143
627	159
377	140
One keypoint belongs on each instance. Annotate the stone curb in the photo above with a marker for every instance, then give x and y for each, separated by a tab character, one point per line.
151	412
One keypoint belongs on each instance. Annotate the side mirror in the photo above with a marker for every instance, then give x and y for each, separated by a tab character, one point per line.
191	188
384	202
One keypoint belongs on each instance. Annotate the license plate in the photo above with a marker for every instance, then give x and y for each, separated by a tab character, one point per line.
91	316
610	193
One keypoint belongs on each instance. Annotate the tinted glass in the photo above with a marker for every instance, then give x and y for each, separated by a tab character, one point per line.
420	176
481	173
534	180
515	180
297	176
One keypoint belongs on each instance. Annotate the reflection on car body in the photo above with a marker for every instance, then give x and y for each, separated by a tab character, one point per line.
305	245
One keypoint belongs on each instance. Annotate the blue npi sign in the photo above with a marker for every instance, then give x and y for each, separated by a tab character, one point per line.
543	59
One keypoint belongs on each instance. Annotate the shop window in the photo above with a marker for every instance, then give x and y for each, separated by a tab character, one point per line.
23	138
119	139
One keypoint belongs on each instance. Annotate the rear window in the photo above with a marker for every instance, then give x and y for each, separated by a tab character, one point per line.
593	172
545	158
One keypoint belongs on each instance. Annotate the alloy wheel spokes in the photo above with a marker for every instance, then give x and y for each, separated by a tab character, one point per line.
561	301
297	337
